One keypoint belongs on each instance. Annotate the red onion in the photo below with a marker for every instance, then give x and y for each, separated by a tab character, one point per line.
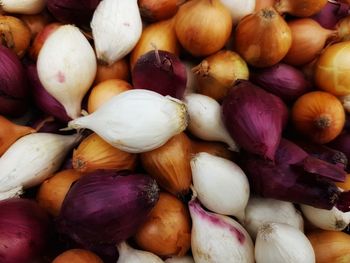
333	11
285	179
49	124
162	72
254	118
73	11
43	100
13	88
282	80
342	143
107	207
23	230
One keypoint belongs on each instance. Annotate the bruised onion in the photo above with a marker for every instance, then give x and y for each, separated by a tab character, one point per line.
301	8
254	118
263	38
107	207
167	231
73	11
43	100
283	80
156	10
308	40
162	72
24	228
331	13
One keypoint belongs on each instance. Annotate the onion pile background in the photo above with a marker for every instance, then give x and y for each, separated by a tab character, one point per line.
174	131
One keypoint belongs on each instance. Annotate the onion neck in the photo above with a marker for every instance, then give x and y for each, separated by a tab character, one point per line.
202	69
6	36
323	121
282	6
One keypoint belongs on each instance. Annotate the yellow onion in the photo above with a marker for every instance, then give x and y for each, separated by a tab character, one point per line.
105	90
77	256
343	28
170	164
308	40
330	246
203	26
159	35
218	72
53	190
156	10
263	38
94	154
332	69
260	4
301	8
167	231
214	148
15	34
118	70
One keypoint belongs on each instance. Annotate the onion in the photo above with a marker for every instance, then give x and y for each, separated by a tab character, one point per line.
254	118
282	80
331	13
118	70
77	256
13	88
308	40
107	207
162	72
260	4
73	11
301	8
24	228
167	231
156	10
239	9
36	23
43	100
342	143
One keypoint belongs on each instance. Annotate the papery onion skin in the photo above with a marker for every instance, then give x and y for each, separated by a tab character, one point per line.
254	118
258	34
156	10
107	207
167	231
73	11
300	8
331	13
162	72
283	80
24	228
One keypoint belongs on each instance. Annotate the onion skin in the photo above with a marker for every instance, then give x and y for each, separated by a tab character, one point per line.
73	11
107	207
156	10
283	80
260	4
162	72
36	23
77	256
331	13
167	231
342	143
259	33
118	70
203	26
254	118
301	8
213	148
24	228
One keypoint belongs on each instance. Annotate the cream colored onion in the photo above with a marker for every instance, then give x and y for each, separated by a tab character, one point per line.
260	211
116	28
67	67
31	160
205	120
334	219
27	7
136	121
239	8
278	242
127	254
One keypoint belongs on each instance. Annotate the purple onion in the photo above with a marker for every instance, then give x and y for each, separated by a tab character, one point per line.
282	80
162	72
24	228
78	12
342	143
285	179
43	100
333	11
254	118
13	88
107	207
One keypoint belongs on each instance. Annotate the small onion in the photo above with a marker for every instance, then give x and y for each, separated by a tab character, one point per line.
77	256
118	70
24	228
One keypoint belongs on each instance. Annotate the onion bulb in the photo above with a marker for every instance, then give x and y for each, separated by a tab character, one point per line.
156	10
29	7
36	23
263	38
260	4
218	72
308	40
203	26
167	231
301	8
118	70
77	256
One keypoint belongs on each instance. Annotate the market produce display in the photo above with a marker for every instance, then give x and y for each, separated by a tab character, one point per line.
176	131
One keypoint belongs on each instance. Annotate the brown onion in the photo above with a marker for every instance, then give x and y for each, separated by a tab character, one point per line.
301	8
343	28
159	35
203	26
15	34
308	40
263	38
118	70
77	256
156	10
218	72
260	4
213	148
167	232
